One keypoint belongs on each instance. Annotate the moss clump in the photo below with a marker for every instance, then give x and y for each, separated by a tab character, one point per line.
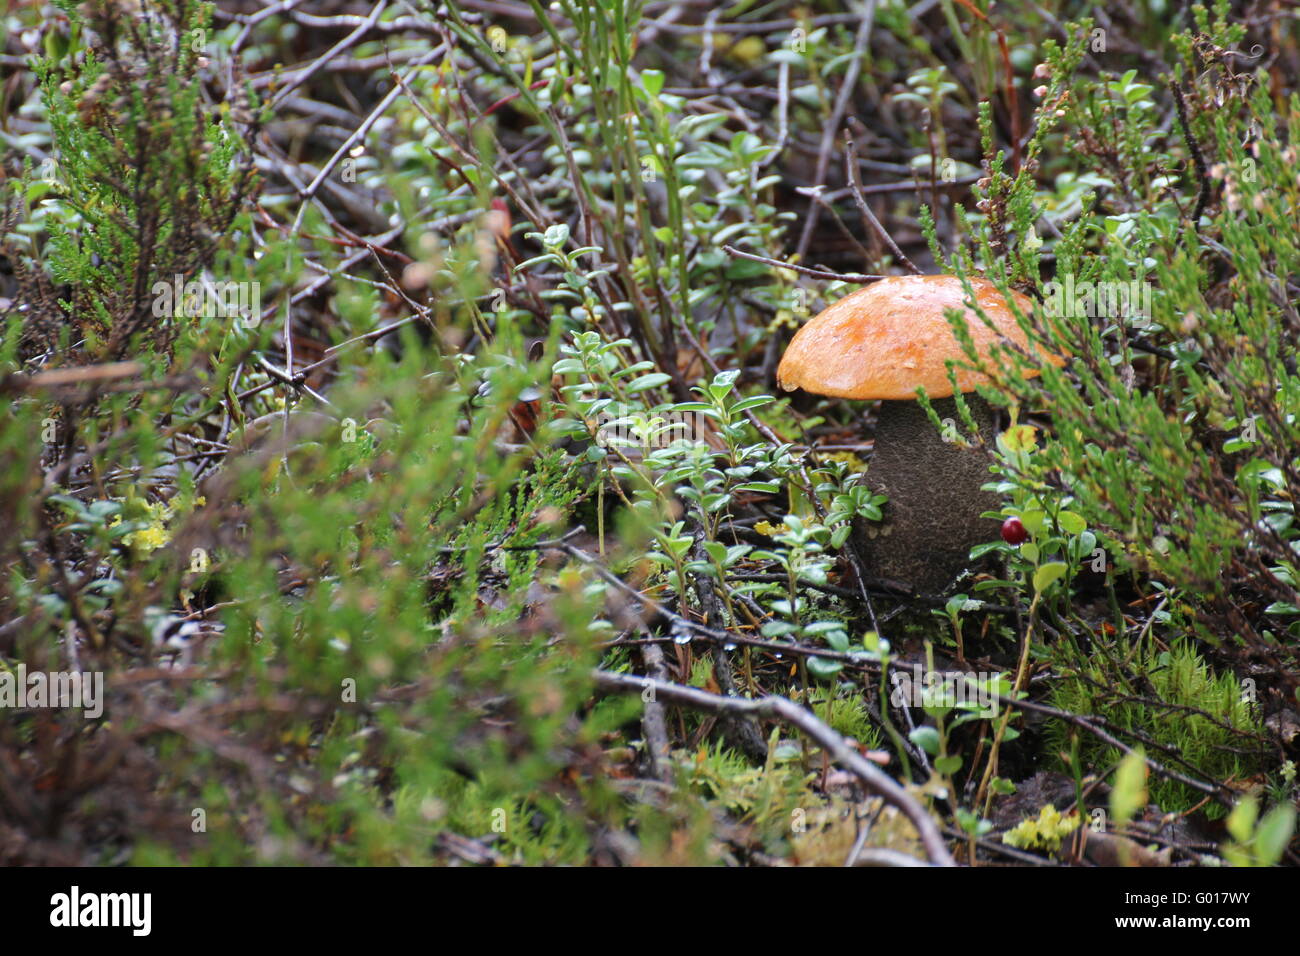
1173	698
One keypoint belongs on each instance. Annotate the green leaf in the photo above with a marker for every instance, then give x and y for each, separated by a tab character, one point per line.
1033	520
653	81
741	269
1048	573
927	738
823	669
764	487
644	382
1274	834
982	549
1129	793
38	189
948	765
1281	607
1003	786
545	257
748	403
556	235
1071	523
102	509
1241	821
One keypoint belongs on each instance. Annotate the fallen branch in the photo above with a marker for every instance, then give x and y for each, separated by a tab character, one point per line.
851	171
875	780
804	270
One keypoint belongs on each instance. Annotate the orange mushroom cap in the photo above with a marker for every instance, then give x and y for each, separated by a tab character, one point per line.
892	337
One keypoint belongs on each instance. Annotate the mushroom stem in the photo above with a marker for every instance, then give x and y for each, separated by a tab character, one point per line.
932	519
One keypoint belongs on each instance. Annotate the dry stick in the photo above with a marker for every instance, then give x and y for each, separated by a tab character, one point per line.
722	637
867	255
1021	672
837	117
654	722
650	32
1003	849
783	115
327	275
1082	722
361	131
928	126
295	80
804	270
910	185
397	25
742	733
1221	794
536	214
641	328
765	26
851	170
881	856
251	20
77	375
1202	174
875	780
469	850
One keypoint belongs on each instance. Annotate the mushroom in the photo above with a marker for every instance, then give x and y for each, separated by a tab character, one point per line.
883	342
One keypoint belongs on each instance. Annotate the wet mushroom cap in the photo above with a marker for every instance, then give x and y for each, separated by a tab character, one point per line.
886	340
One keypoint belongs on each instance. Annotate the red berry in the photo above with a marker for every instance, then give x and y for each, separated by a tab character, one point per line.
1013	532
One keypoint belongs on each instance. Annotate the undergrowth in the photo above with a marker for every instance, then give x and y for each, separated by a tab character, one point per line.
362	555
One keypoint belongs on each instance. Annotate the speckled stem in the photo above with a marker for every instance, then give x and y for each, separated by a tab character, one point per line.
932	519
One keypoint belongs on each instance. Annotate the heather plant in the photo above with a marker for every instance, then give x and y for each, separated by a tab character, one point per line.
1159	460
142	184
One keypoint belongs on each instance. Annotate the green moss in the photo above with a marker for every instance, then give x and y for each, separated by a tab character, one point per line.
1174	699
849	716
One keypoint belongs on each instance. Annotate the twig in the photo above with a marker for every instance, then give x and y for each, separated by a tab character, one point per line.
837	116
1202	173
783	116
653	721
872	777
723	637
804	270
295	80
360	134
742	733
851	170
